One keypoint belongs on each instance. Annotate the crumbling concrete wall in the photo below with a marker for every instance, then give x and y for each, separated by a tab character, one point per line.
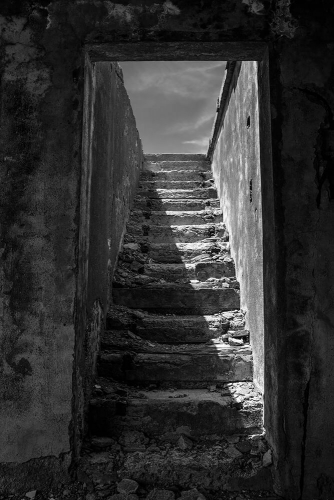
112	158
236	169
58	247
42	46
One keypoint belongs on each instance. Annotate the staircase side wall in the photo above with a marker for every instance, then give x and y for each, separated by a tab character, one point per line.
236	169
112	160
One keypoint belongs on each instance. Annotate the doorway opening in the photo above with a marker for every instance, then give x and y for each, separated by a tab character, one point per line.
246	195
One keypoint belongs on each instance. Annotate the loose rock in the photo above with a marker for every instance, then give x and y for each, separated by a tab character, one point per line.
127	486
161	495
31	494
193	494
267	459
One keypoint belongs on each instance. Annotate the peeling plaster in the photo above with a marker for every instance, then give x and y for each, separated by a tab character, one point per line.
283	24
119	11
254	6
170	8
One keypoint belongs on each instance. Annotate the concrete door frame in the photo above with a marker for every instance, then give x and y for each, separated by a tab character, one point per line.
232	51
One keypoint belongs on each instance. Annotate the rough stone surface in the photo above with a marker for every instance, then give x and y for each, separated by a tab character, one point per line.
127	486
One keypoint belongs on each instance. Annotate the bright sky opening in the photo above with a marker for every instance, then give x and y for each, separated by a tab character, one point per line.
174	102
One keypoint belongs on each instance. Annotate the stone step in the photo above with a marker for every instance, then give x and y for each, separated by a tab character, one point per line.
175	194
175	157
176	175
177	252
228	466
143	203
153	185
182	299
199	271
174	328
215	470
166	415
138	275
178	218
179	234
128	358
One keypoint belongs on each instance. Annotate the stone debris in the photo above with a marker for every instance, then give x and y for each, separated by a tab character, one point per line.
267	459
184	443
31	494
193	494
127	486
161	495
232	452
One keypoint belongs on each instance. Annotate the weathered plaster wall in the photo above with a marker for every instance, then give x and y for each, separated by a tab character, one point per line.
43	326
41	70
39	186
112	159
236	169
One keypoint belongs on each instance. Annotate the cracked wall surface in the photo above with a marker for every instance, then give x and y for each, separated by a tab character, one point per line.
41	131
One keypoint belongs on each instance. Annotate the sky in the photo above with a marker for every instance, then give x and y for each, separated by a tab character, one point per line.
174	102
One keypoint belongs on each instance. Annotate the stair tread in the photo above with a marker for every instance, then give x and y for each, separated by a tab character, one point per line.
186	286
245	391
175	156
123	340
206	192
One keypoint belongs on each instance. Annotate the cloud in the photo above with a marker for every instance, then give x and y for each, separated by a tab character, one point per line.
185	126
184	79
198	142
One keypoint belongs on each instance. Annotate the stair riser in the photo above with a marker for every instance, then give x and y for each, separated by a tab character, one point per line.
201	271
177	234
175	157
172	185
176	194
176	175
176	218
208	473
147	368
198	166
170	254
169	329
178	300
142	203
161	420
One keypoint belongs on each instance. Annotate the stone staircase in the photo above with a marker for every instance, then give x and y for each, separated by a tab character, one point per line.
174	406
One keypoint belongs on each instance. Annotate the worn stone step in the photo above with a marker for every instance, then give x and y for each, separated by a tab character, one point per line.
224	467
178	218
127	357
174	328
170	233
143	203
181	299
165	415
138	275
175	157
212	469
176	175
199	270
175	194
179	184
179	252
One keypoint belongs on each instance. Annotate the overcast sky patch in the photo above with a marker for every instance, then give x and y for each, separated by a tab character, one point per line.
174	102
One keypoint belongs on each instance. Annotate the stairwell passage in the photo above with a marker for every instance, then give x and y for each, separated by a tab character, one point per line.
174	405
